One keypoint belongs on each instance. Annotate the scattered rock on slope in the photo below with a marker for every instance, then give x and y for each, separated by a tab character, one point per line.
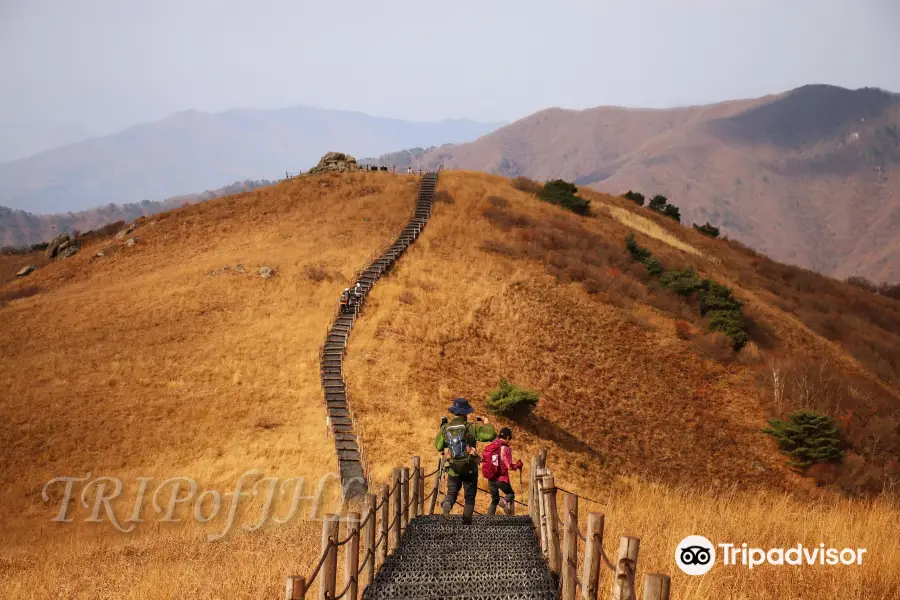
125	231
335	162
24	271
67	250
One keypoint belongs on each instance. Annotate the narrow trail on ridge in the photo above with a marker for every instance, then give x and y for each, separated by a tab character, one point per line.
337	397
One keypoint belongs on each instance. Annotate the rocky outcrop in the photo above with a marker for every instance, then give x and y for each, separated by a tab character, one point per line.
62	246
55	243
335	162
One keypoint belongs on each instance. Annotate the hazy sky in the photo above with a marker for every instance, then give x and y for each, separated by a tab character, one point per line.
92	66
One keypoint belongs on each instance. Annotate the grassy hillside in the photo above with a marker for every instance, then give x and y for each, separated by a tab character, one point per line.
142	364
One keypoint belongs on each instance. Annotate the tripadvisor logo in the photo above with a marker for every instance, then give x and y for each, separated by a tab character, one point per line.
696	555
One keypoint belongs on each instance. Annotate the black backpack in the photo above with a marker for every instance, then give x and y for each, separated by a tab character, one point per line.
462	460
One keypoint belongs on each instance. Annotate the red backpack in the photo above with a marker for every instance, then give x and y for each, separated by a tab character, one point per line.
491	466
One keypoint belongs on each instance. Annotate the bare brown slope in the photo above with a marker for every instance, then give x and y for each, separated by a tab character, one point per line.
809	177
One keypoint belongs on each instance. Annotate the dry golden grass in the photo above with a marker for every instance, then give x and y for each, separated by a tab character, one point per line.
619	400
662	516
650	228
142	365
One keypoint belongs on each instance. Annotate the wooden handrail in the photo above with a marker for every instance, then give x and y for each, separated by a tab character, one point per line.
379	532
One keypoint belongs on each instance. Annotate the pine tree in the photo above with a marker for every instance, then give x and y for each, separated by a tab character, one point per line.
808	438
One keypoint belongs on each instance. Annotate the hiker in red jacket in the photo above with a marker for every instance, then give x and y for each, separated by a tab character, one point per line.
496	463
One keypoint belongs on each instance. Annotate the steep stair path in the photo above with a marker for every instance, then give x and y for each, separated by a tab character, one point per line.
495	557
340	421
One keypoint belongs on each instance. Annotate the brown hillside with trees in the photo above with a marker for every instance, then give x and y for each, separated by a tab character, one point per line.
808	177
156	361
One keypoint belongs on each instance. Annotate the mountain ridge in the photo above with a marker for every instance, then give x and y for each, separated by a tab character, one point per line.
810	176
193	150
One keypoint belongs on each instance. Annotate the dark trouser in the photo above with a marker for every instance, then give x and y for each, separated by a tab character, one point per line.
469	482
496	488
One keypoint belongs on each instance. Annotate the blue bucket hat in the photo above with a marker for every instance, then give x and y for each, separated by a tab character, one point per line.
461	407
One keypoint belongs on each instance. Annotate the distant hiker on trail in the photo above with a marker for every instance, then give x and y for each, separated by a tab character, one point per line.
409	169
496	463
345	300
457	440
357	293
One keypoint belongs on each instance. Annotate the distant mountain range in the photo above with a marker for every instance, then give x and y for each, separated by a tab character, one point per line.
19	229
810	176
192	151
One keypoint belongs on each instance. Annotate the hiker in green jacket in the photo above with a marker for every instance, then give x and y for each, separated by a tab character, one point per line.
456	440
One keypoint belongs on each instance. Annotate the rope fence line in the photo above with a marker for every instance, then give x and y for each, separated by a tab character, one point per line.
560	544
351	581
585	498
406	499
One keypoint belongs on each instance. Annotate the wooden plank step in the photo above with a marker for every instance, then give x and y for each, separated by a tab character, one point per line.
343	436
341	421
348	456
346	445
338	412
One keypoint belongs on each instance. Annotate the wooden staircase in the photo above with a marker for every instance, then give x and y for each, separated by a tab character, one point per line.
340	418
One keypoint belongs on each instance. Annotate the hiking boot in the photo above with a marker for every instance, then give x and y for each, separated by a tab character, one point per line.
467	513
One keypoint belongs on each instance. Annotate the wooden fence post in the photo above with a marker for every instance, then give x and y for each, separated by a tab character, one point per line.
416	476
590	575
553	549
542	508
627	560
296	588
437	485
398	508
656	586
404	497
570	548
368	573
385	521
421	508
328	583
351	557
